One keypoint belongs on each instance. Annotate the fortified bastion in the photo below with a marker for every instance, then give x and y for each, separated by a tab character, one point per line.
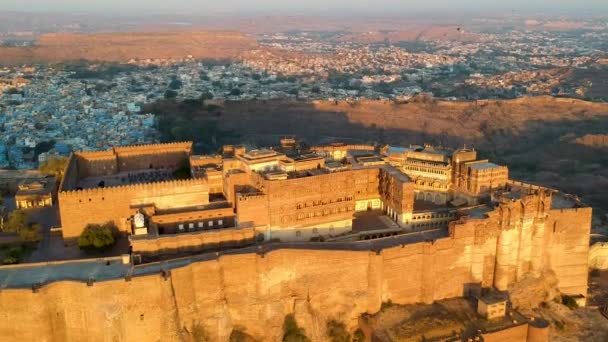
527	233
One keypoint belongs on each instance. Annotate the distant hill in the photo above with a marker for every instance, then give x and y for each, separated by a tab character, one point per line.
414	33
121	47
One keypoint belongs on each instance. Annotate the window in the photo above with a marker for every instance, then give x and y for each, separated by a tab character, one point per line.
201	224
190	225
220	222
180	227
210	223
298	233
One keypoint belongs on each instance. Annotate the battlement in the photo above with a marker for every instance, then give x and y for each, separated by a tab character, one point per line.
520	184
341	147
149	148
250	196
96	155
131	187
135	150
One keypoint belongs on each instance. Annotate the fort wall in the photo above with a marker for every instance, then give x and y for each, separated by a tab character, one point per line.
254	291
567	247
77	208
193	242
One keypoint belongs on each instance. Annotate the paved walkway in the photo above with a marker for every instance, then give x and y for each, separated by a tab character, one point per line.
24	276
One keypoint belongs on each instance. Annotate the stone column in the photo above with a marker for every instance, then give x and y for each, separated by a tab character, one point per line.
374	281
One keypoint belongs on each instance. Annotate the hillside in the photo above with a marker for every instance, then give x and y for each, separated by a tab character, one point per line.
121	47
534	136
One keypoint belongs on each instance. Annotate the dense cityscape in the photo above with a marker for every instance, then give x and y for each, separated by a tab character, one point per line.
252	178
58	109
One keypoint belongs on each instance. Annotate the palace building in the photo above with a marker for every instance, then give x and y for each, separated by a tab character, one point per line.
168	200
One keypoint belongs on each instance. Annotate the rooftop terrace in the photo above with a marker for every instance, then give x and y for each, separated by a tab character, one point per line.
126	178
483	166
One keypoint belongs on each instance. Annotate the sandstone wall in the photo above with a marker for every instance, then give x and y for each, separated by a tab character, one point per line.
515	334
568	248
247	290
100	205
254	291
192	242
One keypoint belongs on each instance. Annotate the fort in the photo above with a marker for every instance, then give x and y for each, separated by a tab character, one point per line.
276	239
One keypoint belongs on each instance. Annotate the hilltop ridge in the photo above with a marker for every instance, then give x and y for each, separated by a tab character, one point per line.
123	46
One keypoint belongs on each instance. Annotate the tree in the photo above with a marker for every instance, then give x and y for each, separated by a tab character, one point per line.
175	84
207	95
97	238
31	233
170	94
236	92
54	166
292	332
18	223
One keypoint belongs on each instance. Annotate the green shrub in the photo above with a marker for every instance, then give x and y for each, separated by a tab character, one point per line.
569	302
31	233
97	238
359	336
9	260
292	332
386	305
336	331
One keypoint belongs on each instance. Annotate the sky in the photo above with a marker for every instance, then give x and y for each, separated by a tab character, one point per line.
301	7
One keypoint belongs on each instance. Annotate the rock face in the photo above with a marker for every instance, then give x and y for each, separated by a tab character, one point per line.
530	292
121	47
254	292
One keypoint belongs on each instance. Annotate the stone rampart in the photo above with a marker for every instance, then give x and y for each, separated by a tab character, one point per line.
195	242
254	289
100	205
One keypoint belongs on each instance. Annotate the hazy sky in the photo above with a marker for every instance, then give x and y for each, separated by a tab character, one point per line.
394	7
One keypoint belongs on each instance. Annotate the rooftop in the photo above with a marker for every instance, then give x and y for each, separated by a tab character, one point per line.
564	201
126	178
395	173
260	154
36	187
480	212
493	297
483	166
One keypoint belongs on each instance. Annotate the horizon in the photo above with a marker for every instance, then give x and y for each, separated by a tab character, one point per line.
393	8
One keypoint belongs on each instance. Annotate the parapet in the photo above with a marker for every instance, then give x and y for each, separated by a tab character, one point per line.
150	148
132	187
